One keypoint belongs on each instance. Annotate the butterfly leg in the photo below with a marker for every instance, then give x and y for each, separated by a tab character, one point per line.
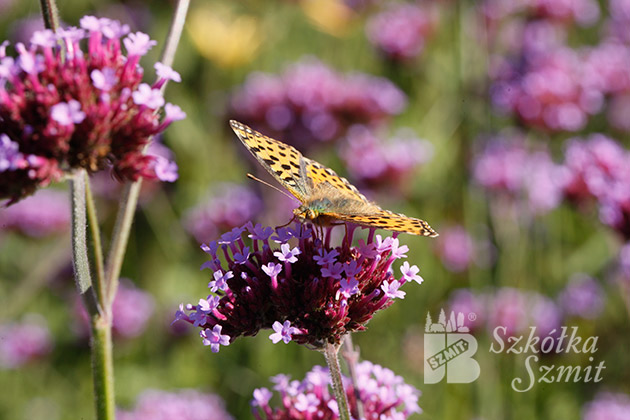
287	223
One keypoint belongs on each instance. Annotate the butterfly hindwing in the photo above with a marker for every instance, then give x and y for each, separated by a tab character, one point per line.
384	219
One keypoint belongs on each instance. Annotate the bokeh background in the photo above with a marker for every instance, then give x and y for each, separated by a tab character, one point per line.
504	123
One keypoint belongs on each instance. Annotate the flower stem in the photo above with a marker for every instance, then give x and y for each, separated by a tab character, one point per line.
96	242
330	352
101	343
50	14
80	262
351	356
126	211
103	367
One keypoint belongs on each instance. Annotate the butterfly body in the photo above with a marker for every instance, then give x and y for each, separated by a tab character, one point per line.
325	196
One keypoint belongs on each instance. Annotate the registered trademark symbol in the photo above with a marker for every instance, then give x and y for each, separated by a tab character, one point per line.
472	316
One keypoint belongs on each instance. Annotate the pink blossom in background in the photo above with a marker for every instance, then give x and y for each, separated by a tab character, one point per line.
132	310
310	102
24	341
506	165
390	163
399	33
230	206
184	404
597	170
582	297
456	248
45	213
607	406
467	302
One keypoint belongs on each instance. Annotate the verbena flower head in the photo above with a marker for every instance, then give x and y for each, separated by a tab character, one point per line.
399	33
45	213
377	163
385	396
24	341
506	166
608	406
185	404
597	168
74	99
456	249
582	297
311	103
298	284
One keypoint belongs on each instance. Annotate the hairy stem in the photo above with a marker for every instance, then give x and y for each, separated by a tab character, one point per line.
330	352
103	367
97	247
50	14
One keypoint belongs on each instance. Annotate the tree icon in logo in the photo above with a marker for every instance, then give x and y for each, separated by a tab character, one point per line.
448	350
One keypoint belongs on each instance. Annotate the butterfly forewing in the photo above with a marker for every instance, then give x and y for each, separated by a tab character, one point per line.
283	162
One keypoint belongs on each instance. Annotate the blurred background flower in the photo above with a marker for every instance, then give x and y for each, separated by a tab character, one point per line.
45	213
184	404
24	341
223	36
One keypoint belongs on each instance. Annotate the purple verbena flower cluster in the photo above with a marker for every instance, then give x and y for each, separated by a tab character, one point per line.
583	12
307	291
399	33
582	297
456	248
185	404
549	84
506	165
310	102
231	206
24	341
384	396
44	213
607	406
62	108
597	168
375	163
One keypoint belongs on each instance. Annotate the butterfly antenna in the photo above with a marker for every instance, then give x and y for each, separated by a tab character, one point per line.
250	176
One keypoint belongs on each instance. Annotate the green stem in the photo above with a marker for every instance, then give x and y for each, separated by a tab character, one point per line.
126	211
50	13
103	367
101	343
330	352
96	242
351	356
80	261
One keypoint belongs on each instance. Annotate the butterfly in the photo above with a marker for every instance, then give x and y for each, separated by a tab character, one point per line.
325	196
